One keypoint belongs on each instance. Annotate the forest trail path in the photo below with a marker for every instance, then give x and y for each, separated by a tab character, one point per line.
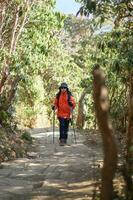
53	172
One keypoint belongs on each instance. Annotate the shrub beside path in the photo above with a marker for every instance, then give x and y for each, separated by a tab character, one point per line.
53	172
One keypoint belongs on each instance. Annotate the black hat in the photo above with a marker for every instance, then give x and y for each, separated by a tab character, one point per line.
63	85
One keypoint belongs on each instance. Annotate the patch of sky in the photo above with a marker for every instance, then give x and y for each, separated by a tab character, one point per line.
67	6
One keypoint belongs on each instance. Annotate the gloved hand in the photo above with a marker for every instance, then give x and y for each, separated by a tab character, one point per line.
70	104
53	108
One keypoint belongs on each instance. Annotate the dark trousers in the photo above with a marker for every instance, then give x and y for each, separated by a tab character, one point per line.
64	126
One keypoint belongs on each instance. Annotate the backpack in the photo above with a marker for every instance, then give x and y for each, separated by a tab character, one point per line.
68	100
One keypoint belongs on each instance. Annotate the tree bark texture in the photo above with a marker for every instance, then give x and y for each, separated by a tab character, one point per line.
101	104
129	163
80	117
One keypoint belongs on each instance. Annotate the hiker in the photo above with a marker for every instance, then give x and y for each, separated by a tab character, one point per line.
64	103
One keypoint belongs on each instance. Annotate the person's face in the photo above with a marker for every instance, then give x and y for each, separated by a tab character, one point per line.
63	89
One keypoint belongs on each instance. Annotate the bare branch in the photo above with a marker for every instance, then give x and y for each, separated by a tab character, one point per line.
14	29
2	17
22	26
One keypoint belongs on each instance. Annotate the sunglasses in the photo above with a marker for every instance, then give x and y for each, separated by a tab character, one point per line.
63	87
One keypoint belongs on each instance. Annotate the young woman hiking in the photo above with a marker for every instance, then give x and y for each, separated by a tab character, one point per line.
64	103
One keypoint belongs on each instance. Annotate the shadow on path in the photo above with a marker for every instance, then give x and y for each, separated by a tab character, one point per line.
51	172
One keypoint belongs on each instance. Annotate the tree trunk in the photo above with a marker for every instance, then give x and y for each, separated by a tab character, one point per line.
80	117
10	94
129	163
4	76
101	103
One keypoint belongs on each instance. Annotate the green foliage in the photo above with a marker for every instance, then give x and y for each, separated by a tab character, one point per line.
26	136
53	49
91	6
112	50
31	54
3	115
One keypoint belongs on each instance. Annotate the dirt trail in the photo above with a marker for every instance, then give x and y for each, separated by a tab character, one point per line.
53	172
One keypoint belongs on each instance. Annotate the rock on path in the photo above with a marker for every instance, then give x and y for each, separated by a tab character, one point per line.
51	172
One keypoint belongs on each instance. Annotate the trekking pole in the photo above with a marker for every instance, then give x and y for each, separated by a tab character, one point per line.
74	132
53	125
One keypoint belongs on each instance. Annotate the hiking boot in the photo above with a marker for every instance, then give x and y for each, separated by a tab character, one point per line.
62	142
65	141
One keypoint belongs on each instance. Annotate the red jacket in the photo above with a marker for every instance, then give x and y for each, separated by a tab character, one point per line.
62	106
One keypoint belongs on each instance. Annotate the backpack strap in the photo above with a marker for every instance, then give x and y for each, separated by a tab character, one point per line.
69	96
57	97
